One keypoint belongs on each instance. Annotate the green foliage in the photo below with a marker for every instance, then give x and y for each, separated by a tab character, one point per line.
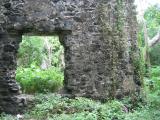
33	79
152	17
57	51
155	71
154	81
32	49
112	110
154	55
145	113
58	108
7	117
153	85
139	67
151	111
141	41
55	107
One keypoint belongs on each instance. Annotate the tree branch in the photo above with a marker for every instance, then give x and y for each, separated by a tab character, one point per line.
154	40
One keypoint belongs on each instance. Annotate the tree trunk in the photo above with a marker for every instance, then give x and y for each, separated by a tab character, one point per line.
47	60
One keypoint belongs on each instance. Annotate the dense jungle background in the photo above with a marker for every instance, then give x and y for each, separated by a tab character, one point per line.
40	69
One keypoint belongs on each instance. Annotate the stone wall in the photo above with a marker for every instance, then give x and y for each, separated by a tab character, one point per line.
9	89
99	38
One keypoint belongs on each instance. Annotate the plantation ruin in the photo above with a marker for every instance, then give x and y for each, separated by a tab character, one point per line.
99	39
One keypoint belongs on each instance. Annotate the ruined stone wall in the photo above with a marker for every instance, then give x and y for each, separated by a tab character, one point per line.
102	55
99	38
119	32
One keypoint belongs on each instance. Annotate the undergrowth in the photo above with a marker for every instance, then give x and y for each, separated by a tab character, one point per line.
55	107
35	80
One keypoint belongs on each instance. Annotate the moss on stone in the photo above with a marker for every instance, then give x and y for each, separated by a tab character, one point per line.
113	22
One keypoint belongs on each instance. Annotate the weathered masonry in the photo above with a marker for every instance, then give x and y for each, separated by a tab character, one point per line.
99	37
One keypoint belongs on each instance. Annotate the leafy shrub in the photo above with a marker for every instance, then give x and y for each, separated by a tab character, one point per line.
33	79
57	108
112	111
154	55
7	117
153	83
155	71
54	107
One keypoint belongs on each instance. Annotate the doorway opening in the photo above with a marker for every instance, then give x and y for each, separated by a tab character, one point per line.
40	64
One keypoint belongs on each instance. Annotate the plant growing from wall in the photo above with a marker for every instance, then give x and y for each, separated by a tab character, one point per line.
112	22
